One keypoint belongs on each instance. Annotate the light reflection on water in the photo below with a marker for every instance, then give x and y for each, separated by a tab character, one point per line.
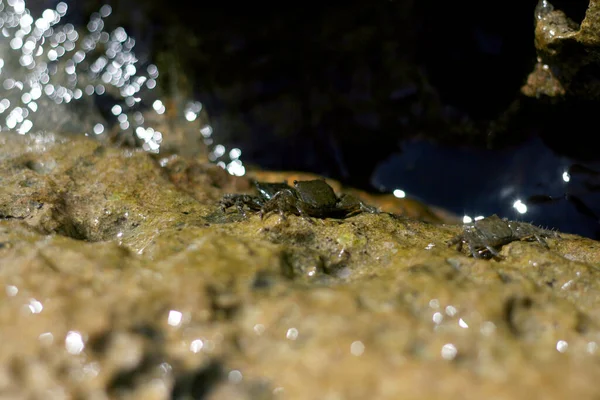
53	75
74	342
477	183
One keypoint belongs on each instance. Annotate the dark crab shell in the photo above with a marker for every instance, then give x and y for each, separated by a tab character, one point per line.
486	236
312	198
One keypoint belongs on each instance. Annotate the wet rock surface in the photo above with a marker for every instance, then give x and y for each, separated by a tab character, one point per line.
124	279
568	52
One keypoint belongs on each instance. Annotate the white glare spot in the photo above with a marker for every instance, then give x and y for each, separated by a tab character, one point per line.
116	110
61	8
399	193
175	318
219	150
49	15
235	376
98	129
357	348
592	347
292	334
434	303
259	329
105	10
11	290
236	168
235	153
438	317
158	106
562	346
46	338
520	207
152	70
74	342
206	131
35	306
566	177
9	84
462	323
478	218
190	115
25	127
26	20
18	5
451	311
16	43
467	219
196	346
488	328
449	351
36	92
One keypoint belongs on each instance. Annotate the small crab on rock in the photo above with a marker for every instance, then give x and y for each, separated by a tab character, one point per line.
485	236
313	198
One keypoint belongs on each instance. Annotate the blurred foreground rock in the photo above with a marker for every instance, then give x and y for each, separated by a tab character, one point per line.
123	279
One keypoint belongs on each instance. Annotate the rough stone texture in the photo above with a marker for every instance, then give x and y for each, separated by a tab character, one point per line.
123	279
568	54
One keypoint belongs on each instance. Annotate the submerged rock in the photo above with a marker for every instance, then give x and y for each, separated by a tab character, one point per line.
124	279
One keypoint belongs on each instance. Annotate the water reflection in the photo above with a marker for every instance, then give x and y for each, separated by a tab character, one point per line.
235	376
520	207
46	338
592	347
175	318
259	329
196	346
357	348
451	311
434	303
292	334
449	351
11	290
46	65
487	328
399	193
475	182
35	306
74	342
562	346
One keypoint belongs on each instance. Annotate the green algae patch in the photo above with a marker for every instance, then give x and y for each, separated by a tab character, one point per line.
127	282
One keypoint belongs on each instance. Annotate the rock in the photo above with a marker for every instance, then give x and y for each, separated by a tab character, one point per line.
121	281
568	54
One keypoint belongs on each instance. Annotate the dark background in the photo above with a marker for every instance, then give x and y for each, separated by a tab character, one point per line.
422	96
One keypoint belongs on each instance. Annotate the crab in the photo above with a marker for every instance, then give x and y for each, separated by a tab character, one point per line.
485	236
313	198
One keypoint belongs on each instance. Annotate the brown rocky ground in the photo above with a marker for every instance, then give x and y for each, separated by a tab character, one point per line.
123	279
